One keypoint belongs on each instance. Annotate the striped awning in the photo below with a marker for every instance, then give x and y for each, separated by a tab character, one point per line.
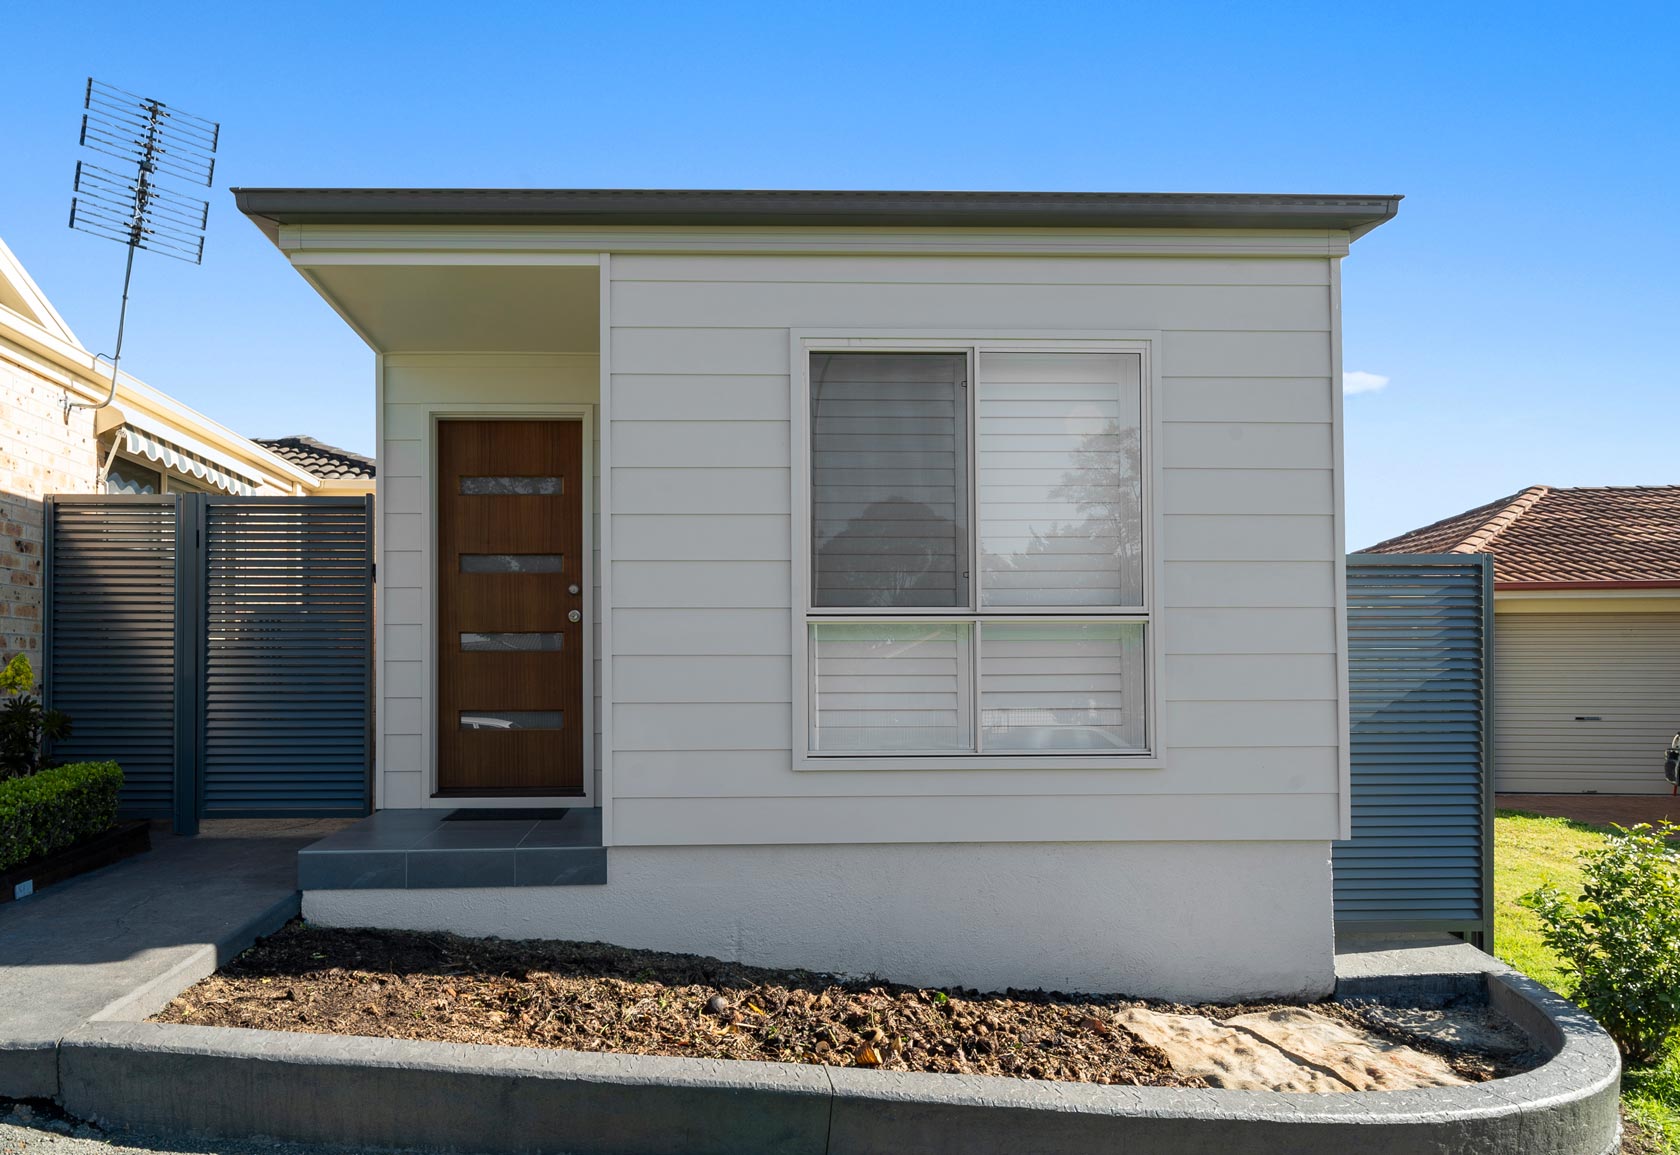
141	443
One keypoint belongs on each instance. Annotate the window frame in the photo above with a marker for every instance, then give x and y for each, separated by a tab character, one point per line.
975	343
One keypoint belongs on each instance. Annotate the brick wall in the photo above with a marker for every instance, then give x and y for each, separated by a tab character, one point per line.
39	454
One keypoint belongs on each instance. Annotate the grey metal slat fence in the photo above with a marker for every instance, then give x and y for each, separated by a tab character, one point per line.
288	611
234	636
109	639
1420	638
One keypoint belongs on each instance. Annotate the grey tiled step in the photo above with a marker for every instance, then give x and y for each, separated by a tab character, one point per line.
420	849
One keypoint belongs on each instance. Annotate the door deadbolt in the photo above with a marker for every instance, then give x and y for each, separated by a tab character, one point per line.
574	616
572	589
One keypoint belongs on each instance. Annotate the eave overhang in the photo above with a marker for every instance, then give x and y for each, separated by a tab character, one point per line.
272	208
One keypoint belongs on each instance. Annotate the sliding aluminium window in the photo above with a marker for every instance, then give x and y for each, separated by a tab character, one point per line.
977	552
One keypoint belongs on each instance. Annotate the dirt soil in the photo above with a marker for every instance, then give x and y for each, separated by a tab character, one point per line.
596	997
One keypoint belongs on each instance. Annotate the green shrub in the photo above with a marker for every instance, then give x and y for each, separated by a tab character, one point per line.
1620	941
26	725
56	808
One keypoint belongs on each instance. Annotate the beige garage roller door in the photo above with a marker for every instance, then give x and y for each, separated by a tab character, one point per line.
1584	702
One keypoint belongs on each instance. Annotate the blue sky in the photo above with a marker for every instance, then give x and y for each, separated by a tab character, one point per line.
1524	307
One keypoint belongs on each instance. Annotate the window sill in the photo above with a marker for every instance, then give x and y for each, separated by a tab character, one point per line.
983	763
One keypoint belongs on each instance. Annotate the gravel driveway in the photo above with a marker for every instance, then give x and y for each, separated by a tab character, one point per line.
28	1130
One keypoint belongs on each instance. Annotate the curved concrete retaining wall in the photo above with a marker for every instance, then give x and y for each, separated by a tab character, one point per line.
387	1092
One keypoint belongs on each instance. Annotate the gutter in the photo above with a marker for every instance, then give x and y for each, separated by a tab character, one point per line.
78	372
164	409
1519	587
272	208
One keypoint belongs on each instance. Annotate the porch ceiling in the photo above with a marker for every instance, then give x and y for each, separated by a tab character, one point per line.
457	308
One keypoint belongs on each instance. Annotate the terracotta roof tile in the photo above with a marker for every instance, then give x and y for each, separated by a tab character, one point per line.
319	458
1605	535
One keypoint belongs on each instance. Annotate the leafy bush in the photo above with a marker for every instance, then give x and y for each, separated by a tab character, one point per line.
46	812
1620	940
26	726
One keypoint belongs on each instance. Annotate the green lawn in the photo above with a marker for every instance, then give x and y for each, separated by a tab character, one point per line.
1530	850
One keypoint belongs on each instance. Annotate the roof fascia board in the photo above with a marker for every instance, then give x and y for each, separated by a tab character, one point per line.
306	245
48	319
59	357
1578	589
67	365
534	258
811	207
1588	601
354	486
162	413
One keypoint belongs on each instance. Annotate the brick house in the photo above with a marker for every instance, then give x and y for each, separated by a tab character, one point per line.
143	442
1586	632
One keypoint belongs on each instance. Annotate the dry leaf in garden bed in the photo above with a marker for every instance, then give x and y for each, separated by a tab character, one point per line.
597	997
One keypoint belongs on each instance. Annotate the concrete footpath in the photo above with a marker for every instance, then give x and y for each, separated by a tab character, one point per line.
164	918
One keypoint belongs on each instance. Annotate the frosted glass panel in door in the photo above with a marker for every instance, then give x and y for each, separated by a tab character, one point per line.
1061	495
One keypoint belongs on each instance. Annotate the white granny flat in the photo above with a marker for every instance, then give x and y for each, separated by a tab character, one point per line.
940	585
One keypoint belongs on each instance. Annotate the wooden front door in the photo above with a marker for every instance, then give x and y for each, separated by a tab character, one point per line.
510	607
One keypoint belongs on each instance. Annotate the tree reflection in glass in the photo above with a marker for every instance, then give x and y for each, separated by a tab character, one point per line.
1061	503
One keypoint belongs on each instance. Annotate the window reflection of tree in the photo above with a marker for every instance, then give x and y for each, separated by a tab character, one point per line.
914	565
1103	483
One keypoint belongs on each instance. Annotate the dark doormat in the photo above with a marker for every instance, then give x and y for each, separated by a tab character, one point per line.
490	814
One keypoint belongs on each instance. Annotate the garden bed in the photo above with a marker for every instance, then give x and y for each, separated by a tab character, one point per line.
118	841
595	997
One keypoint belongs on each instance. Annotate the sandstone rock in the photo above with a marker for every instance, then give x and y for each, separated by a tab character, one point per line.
1224	1056
1363	1061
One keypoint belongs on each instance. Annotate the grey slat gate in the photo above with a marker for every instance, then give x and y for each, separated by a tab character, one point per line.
111	575
219	648
1420	638
288	607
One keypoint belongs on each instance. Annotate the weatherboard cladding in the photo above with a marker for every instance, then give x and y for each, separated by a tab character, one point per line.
414	388
701	437
1418	684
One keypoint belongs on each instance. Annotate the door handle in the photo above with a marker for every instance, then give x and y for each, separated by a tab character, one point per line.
575	616
572	589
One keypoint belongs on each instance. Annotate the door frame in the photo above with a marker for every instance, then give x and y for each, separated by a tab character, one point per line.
583	413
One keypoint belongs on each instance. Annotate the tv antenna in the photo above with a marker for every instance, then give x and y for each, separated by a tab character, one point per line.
124	201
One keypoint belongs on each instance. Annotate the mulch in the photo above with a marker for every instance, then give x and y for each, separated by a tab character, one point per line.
597	997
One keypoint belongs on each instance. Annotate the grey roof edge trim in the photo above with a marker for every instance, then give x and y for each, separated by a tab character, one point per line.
1355	214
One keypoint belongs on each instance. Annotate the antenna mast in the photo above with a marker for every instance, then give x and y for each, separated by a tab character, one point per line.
152	140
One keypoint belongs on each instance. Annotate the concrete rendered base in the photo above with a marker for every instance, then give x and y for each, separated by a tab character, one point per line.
1188	921
511	1101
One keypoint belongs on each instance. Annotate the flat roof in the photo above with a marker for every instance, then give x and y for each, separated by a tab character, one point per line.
271	207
